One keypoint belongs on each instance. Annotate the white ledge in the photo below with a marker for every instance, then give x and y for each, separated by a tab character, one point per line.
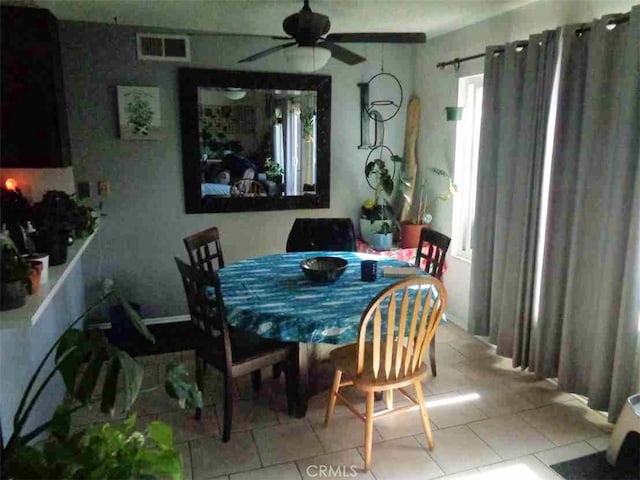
36	304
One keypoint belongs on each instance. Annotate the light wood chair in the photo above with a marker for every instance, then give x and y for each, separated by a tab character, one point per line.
249	188
204	249
392	360
430	256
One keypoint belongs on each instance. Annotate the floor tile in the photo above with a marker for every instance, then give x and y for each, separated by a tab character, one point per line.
472	474
564	453
497	400
212	458
286	471
186	427
538	392
284	443
185	452
402	459
401	424
451	409
448	380
342	433
448	331
446	355
338	465
525	468
595	418
248	414
561	423
472	348
451	442
154	402
599	443
510	436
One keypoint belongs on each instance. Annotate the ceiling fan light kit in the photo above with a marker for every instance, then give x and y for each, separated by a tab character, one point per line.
307	29
307	59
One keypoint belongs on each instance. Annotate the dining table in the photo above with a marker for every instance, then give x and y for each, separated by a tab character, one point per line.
271	296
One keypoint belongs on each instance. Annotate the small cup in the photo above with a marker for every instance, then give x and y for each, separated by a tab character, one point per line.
369	270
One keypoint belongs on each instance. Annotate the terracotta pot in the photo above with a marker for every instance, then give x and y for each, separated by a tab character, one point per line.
35	276
410	234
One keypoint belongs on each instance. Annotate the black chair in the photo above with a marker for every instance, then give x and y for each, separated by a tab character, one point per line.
232	352
204	249
310	234
432	249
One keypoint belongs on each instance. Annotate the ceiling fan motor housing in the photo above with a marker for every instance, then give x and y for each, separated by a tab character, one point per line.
306	26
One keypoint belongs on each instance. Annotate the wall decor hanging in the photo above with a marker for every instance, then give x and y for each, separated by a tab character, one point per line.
139	113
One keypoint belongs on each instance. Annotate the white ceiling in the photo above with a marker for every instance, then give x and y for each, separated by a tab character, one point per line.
264	17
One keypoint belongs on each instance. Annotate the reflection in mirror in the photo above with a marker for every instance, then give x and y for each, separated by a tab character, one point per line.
257	143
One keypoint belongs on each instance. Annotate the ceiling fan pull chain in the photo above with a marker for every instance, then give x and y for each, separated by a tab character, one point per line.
382	60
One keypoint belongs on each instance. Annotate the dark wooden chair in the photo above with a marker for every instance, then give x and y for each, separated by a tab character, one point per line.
310	234
204	250
232	352
431	252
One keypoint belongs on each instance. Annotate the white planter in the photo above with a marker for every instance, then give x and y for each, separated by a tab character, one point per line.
382	241
368	229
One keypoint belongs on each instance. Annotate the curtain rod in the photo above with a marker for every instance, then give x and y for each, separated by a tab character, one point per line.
457	61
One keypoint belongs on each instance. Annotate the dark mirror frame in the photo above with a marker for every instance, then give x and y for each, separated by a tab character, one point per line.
189	79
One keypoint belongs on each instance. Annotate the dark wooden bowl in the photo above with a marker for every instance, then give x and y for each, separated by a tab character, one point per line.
323	269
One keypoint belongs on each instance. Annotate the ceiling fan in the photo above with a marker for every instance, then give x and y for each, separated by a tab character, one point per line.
308	29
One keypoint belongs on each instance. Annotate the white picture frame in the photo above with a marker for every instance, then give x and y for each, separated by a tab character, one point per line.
139	113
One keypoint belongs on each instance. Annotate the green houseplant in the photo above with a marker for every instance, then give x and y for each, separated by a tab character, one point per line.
422	211
378	212
274	171
15	272
105	451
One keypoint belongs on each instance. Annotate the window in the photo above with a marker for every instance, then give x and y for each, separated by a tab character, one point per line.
466	166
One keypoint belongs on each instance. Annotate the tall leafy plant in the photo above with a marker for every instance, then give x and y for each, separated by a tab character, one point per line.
80	356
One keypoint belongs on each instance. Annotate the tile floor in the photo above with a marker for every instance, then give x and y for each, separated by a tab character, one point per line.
489	420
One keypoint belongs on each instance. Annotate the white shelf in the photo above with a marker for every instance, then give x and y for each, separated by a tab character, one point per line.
36	304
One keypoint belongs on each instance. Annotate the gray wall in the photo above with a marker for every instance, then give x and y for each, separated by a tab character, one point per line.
146	220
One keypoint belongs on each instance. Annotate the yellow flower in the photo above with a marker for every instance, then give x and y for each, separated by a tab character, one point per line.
368	204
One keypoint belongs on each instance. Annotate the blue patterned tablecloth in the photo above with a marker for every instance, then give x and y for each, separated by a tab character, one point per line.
271	296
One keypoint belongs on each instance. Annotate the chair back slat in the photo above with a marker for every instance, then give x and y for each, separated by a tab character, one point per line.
404	309
390	344
412	331
205	250
206	312
431	252
429	302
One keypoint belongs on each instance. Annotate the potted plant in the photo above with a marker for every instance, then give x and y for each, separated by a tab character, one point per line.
55	218
410	231
274	171
375	213
15	282
383	237
99	451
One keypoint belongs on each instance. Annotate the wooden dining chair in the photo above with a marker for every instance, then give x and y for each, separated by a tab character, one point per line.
430	256
388	354
204	250
311	234
232	352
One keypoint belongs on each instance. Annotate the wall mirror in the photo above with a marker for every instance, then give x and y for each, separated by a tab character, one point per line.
254	140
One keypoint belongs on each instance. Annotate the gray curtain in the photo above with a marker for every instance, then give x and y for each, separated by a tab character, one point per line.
516	100
587	333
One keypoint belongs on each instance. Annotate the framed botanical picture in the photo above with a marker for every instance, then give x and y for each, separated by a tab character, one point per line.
139	113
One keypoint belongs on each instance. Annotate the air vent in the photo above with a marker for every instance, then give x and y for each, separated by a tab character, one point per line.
163	48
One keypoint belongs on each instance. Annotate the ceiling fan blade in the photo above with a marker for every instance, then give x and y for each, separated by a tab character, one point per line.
341	53
281	38
266	52
386	37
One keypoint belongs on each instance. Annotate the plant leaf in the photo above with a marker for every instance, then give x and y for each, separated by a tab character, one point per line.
368	168
161	433
132	374
70	366
135	318
60	424
109	387
177	386
397	158
89	379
